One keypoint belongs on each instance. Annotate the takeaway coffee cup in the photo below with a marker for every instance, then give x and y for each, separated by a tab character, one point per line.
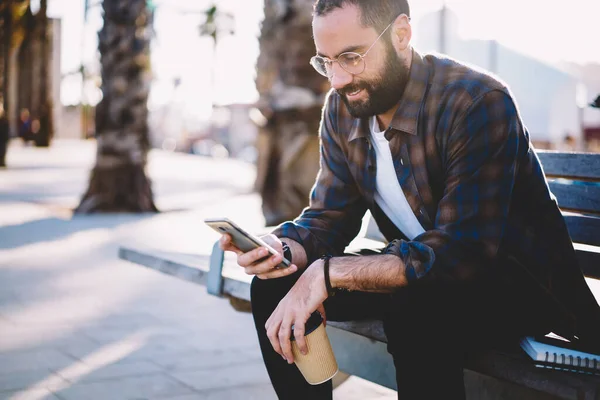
319	364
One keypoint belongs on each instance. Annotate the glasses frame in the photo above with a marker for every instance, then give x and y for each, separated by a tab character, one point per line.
329	62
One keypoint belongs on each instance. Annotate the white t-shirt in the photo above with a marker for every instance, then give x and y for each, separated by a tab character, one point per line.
388	193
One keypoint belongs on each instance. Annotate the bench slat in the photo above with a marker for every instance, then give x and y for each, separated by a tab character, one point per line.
583	198
183	266
584	229
589	261
188	267
575	165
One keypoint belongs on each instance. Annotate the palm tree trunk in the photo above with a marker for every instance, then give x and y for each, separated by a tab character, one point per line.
4	46
118	181
291	97
15	34
44	136
3	32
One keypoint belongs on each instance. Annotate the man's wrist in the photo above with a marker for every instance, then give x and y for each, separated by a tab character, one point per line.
334	276
287	252
297	252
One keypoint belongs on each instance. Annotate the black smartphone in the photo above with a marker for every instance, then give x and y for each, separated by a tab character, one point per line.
242	239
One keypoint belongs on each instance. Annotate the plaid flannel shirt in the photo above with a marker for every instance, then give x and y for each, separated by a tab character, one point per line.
466	166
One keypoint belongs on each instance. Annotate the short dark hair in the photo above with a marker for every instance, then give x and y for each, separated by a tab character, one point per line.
375	13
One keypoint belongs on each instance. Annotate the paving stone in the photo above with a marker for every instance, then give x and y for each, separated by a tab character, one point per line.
50	309
250	392
32	360
355	388
224	377
155	351
81	372
75	346
29	394
130	348
40	379
208	359
223	338
20	337
107	334
92	351
130	320
152	386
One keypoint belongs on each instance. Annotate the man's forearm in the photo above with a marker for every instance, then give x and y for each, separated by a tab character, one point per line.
380	273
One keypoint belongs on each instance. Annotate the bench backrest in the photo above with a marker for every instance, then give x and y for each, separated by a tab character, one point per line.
574	178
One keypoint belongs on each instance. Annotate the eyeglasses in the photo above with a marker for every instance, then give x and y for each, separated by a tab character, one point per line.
350	61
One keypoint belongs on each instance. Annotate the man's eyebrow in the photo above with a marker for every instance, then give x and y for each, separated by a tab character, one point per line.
353	49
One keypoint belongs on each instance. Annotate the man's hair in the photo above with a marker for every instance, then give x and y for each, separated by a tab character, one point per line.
375	13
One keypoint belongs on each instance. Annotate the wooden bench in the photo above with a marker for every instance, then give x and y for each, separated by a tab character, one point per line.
359	346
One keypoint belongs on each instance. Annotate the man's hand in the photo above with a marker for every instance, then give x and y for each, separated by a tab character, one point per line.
259	262
306	296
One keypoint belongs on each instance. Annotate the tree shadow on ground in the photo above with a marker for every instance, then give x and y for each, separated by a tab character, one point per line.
53	228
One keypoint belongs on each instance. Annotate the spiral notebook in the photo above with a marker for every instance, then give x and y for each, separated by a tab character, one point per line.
555	352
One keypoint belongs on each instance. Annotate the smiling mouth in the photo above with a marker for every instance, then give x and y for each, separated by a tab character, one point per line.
352	94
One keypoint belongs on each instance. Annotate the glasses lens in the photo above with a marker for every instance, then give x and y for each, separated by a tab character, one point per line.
352	62
319	65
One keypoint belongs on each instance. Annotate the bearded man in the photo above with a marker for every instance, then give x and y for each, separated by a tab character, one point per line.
478	250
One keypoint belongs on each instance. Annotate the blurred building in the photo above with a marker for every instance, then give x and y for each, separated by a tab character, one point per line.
235	129
547	95
228	132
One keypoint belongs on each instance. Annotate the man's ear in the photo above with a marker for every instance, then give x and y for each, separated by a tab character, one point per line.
401	32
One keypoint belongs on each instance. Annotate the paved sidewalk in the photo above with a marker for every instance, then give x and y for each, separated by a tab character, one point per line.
78	323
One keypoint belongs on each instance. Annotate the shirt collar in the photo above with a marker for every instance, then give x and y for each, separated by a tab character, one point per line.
406	116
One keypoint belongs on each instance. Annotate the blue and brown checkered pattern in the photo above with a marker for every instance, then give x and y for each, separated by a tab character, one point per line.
467	168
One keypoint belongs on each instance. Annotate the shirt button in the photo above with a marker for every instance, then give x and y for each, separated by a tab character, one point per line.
401	161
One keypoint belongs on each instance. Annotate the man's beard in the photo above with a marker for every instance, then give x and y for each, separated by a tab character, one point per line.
383	93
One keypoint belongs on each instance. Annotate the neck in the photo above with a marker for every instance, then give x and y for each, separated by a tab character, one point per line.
385	119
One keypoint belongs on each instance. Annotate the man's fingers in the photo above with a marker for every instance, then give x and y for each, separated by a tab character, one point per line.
272	334
299	337
276	273
226	244
266	266
250	258
285	331
321	310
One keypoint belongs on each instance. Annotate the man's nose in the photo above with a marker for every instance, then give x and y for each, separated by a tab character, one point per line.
339	77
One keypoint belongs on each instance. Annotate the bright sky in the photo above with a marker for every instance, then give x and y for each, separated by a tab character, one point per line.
532	27
540	28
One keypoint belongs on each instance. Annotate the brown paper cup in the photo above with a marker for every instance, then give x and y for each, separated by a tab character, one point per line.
319	364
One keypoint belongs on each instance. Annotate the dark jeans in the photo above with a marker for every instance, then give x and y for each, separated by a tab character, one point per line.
429	327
